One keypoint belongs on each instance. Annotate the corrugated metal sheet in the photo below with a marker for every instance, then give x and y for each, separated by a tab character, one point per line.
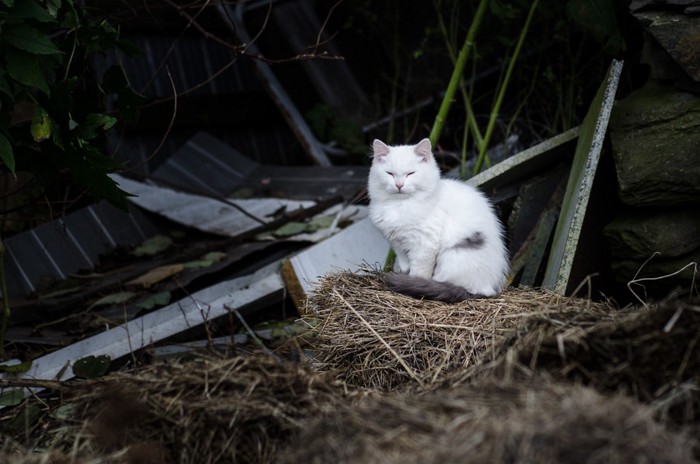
54	250
203	165
194	165
192	61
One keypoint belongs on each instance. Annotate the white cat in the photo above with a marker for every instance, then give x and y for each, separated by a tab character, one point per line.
447	238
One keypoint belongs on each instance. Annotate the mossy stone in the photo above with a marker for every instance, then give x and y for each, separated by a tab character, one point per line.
655	134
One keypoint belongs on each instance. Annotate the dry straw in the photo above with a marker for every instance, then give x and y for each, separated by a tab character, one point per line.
650	353
208	411
542	423
376	339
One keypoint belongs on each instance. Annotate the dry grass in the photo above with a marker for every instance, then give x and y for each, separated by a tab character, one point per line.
543	423
493	380
374	338
651	354
233	410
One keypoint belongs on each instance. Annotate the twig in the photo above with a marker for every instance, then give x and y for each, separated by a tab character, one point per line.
252	333
635	280
33	383
379	337
167	131
5	318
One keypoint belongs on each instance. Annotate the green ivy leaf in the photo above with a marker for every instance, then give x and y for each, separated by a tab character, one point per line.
114	298
89	167
158	299
29	9
25	69
8	3
52	6
41	124
17	368
290	228
12	397
94	122
29	39
206	261
153	245
6	154
91	367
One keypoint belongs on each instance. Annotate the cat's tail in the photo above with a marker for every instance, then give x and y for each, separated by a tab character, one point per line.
419	287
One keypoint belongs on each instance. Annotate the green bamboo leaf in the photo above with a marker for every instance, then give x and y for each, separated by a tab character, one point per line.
41	124
6	154
29	39
24	68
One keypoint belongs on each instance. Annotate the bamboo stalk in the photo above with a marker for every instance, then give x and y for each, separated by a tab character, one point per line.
503	88
456	77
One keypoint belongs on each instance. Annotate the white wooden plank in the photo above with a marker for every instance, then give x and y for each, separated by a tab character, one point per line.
357	245
203	213
199	308
578	189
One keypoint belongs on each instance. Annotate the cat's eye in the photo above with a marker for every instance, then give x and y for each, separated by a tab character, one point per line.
410	173
390	173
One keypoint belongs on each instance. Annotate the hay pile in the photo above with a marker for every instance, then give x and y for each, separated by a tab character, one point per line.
233	410
376	339
550	423
652	354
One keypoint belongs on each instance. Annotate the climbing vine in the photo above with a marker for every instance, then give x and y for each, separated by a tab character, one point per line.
53	115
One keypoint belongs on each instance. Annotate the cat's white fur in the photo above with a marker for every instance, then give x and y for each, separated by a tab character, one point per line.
441	229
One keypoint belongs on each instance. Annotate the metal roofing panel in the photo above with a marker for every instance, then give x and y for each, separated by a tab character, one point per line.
54	250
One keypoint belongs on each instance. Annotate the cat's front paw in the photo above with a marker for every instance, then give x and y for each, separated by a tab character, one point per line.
401	269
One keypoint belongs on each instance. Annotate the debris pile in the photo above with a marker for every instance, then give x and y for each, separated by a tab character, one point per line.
529	376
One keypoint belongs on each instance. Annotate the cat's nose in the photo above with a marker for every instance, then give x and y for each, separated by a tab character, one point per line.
399	185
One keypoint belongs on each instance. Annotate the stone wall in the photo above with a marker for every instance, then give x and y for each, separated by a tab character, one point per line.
655	138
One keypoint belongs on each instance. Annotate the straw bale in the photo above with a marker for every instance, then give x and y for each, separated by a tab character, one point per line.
377	339
651	353
211	411
543	423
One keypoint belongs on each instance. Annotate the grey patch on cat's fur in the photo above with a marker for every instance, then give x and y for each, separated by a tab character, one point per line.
473	242
418	287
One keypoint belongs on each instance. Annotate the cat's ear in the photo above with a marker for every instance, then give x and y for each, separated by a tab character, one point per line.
423	149
380	149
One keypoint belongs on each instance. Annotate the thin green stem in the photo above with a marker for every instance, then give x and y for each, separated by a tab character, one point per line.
502	90
5	300
456	77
